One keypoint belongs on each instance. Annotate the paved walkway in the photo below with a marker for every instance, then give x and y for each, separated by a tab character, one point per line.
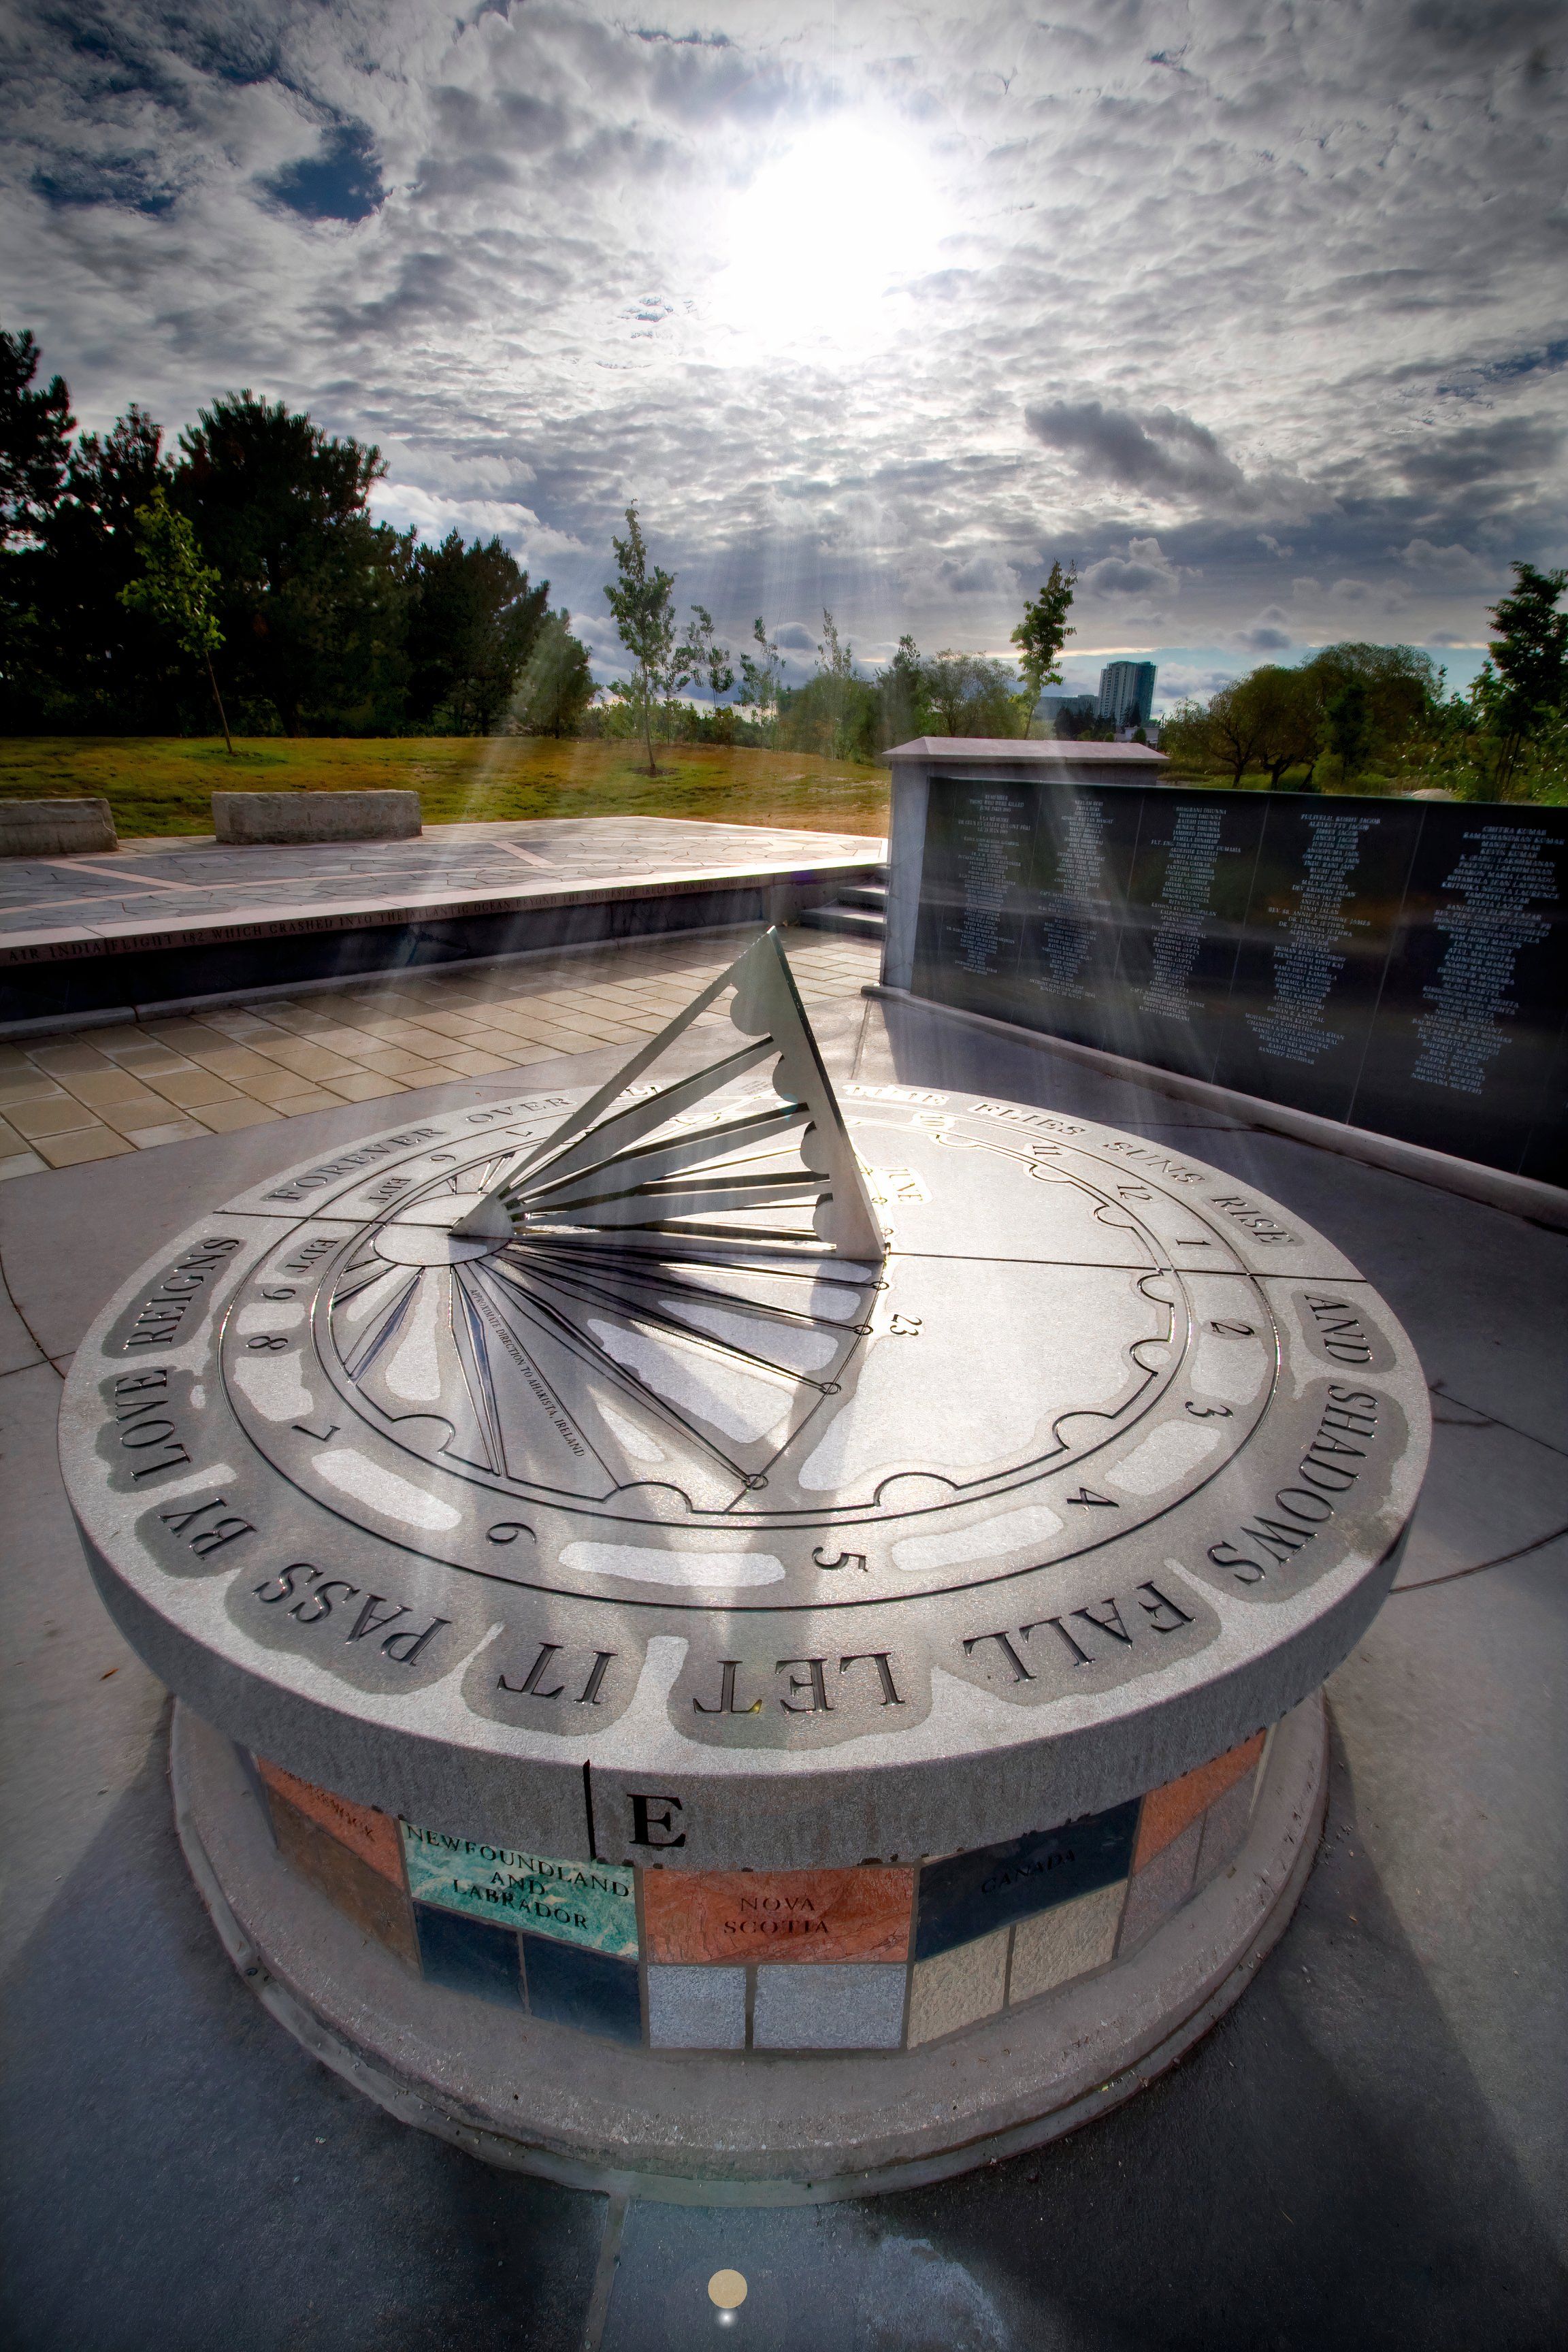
97	1092
178	885
1367	2156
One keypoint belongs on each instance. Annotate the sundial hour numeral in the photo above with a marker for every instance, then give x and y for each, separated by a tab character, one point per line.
266	1344
1208	1411
1234	1331
904	1326
507	1531
845	1558
1087	1496
278	1292
321	1435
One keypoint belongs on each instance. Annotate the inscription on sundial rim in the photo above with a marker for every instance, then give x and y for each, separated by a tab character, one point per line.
709	1407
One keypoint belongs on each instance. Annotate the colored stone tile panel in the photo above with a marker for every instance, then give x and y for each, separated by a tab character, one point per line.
566	1985
834	2007
958	1988
468	1955
360	1892
587	1903
778	1915
969	1895
371	1835
1065	1942
1167	1810
696	2009
1225	1829
1161	1887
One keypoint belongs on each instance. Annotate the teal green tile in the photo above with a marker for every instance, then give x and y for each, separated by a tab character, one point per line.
584	1903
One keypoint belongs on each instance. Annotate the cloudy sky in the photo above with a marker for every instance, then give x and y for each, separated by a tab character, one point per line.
1257	310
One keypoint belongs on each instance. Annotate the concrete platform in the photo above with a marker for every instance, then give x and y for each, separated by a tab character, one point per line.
156	924
1369	2152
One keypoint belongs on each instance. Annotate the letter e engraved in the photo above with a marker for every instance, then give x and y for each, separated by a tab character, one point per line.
728	1704
644	1823
1020	1671
1163	1614
818	1703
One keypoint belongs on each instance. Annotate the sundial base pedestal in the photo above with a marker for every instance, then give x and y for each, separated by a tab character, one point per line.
748	2128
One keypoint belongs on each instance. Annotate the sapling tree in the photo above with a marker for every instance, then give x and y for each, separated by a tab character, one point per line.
175	589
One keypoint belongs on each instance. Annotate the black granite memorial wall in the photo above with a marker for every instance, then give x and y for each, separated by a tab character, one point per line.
1398	965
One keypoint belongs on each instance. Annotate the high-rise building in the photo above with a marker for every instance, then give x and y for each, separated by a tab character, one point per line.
1126	693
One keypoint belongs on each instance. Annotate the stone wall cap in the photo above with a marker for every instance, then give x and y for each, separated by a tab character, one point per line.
933	749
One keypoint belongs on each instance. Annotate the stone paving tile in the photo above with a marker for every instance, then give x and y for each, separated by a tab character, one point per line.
95	1143
134	1086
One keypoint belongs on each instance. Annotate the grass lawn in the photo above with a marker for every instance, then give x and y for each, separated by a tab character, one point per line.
162	783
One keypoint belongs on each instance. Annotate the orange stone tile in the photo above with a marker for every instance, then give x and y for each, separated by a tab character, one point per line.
778	1915
1167	1810
371	1835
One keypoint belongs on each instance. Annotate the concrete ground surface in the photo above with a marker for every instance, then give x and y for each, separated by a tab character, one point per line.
1368	2152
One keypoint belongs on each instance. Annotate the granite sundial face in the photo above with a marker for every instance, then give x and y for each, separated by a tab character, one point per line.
717	1465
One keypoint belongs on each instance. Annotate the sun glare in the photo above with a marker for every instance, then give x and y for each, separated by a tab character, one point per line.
826	239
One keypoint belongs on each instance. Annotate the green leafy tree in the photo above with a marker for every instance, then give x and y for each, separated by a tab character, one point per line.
704	658
968	694
1234	729
1282	705
1348	726
557	685
109	662
640	599
760	677
900	696
36	426
472	621
1523	689
313	596
35	429
176	589
1041	635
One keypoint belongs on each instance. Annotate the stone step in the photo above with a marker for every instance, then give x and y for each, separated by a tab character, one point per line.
873	896
853	919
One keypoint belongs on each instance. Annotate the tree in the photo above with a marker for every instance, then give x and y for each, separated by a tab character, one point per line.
1235	728
1041	635
472	622
1401	688
900	693
969	694
760	680
1348	725
34	445
177	588
1283	705
639	599
109	660
314	594
35	429
557	685
703	658
1524	687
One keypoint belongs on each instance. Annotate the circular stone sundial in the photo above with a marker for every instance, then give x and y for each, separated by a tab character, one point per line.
799	1539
